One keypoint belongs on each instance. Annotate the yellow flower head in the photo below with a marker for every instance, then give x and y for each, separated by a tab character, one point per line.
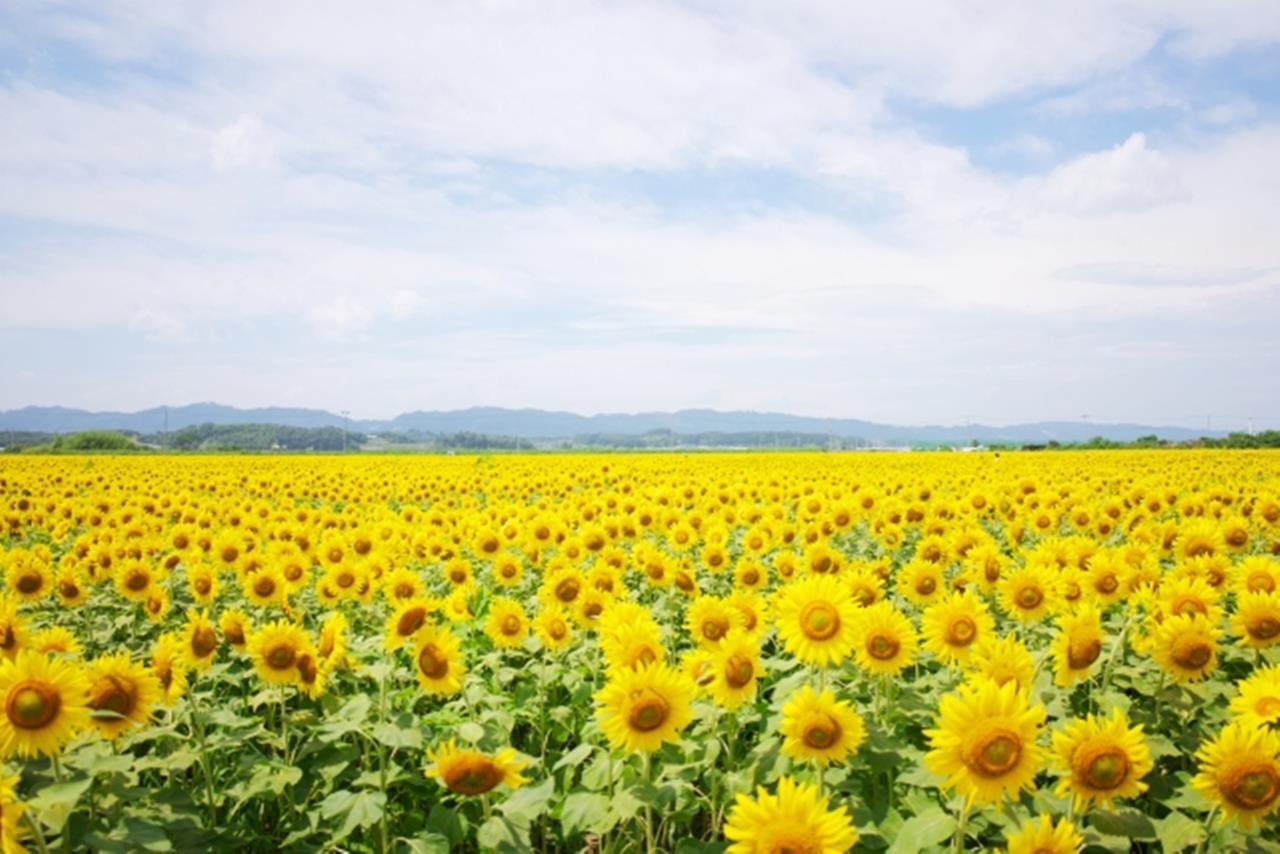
169	665
818	728
276	648
1186	647
405	621
984	743
1101	759
121	693
954	624
507	625
1042	836
1031	592
816	619
736	668
1077	645
552	629
920	582
44	704
1240	772
796	818
885	640
471	773
1256	619
1258	703
437	658
640	709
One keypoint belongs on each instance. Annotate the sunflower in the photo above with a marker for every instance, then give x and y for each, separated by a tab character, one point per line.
508	624
562	587
1258	702
1003	660
199	640
403	623
275	649
265	588
13	627
736	668
12	828
203	581
753	609
885	640
1030	592
1186	647
1189	595
797	818
459	574
1101	759
1077	644
44	701
1240	772
312	675
169	666
121	693
629	643
816	620
235	627
437	657
331	647
816	727
640	709
1256	620
70	587
55	639
864	584
507	570
750	574
952	626
470	772
28	577
920	582
134	580
552	629
1042	836
402	585
1258	574
1106	577
984	743
709	619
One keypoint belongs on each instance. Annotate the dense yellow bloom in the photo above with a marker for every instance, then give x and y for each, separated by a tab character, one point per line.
507	625
168	663
1077	644
640	709
1042	836
816	620
736	669
44	704
1030	592
984	742
1258	703
199	640
795	818
470	772
885	641
438	664
12	826
55	639
552	629
276	648
1101	759
954	624
121	693
1240	772
818	728
1186	647
1256	619
709	619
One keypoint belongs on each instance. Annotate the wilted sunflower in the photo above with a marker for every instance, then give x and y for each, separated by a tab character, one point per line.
1258	702
1077	645
953	624
275	649
507	625
1042	836
1185	647
816	727
121	693
640	709
736	669
470	772
44	704
1256	619
816	620
984	743
437	657
796	818
1240	772
1101	759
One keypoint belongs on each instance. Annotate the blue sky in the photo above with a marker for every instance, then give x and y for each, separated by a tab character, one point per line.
920	214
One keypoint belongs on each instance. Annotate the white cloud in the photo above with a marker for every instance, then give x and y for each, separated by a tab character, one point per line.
242	143
340	319
157	324
1128	178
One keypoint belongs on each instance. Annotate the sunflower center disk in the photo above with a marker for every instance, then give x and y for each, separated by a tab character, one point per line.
714	629
411	621
925	586
511	625
882	647
112	694
819	621
996	753
1107	584
821	733
203	642
738	671
648	712
567	590
33	705
432	662
961	632
1264	628
281	657
1030	597
29	584
1253	787
1107	770
1082	654
1192	655
473	777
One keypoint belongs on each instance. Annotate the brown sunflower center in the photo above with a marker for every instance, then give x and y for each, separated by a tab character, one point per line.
432	661
1192	653
204	641
1105	769
750	577
738	671
113	694
411	620
821	733
33	704
472	775
557	629
961	631
29	583
714	628
1107	584
649	710
511	625
1030	597
1261	582
137	581
234	633
995	753
1263	628
926	585
1252	786
203	585
281	656
568	589
819	621
882	646
1083	653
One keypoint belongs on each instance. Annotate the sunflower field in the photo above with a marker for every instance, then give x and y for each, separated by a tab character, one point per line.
791	652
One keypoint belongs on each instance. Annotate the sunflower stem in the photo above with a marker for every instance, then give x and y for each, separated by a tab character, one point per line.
37	831
198	726
1201	846
957	843
648	809
383	829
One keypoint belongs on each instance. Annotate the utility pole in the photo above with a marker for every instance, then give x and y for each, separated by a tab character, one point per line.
346	414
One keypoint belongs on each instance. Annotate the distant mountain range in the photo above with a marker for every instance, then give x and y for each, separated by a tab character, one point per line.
543	424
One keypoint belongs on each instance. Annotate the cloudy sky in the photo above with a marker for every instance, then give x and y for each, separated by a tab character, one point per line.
999	212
